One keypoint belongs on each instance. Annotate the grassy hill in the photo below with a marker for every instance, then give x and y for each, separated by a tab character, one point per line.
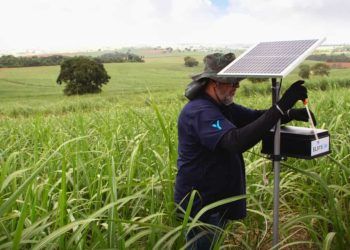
97	171
34	88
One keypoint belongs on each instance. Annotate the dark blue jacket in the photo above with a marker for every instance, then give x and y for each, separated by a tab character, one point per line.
203	165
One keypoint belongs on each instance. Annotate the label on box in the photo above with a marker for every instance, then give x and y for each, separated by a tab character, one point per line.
320	146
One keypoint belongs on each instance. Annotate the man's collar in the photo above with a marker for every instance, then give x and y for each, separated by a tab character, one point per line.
211	99
208	97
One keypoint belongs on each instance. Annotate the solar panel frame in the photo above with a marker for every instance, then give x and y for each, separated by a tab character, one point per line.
295	60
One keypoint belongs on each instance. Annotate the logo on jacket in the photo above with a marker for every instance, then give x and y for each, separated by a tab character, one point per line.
217	125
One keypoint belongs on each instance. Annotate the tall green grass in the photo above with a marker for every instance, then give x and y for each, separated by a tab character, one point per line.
103	178
98	171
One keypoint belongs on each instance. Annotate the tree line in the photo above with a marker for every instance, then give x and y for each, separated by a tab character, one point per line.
10	61
330	58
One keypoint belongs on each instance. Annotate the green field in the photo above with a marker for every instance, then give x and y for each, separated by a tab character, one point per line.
97	171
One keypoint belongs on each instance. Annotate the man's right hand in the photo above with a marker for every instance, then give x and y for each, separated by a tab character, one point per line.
293	94
301	115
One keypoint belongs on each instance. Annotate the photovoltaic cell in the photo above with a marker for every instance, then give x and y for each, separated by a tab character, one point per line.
274	59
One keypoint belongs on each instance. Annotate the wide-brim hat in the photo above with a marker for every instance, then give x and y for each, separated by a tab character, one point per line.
213	64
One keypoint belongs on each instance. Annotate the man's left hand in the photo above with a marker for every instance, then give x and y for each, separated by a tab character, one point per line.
301	115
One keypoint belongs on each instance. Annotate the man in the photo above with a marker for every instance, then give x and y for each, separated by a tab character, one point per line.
213	132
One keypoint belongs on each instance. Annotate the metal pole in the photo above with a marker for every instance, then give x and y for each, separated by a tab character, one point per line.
276	163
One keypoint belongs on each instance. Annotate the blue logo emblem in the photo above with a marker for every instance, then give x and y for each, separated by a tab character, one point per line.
217	125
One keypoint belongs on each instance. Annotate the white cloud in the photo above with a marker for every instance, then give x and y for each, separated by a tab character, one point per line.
43	24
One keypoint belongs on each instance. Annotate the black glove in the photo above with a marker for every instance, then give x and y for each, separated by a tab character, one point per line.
293	94
301	115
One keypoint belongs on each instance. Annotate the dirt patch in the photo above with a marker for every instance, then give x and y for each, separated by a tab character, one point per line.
339	65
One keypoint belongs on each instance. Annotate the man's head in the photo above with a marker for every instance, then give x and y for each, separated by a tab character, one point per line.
222	92
219	87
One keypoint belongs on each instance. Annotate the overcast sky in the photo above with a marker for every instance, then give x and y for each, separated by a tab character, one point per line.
84	24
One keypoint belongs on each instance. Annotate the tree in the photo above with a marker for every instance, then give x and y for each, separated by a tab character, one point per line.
8	61
257	80
304	72
190	61
82	75
320	69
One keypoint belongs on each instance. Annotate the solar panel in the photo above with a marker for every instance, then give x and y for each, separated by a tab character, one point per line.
271	59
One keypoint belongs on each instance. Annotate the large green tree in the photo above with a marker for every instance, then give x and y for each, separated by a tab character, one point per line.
190	61
82	75
258	80
320	69
304	71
